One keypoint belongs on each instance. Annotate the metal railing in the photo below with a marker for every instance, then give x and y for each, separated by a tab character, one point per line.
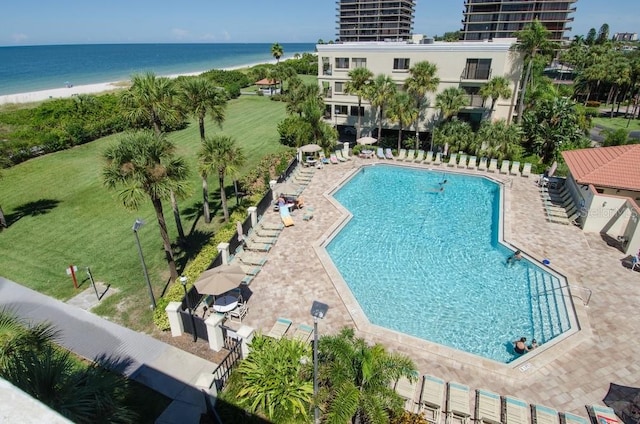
223	371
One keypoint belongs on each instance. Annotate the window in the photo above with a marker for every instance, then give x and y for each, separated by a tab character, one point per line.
477	69
342	63
341	110
359	62
339	87
400	64
354	111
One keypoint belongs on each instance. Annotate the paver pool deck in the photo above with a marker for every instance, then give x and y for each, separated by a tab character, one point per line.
566	375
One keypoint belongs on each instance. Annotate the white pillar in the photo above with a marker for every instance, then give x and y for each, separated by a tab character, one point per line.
345	149
223	248
206	383
214	332
272	185
174	318
253	211
246	334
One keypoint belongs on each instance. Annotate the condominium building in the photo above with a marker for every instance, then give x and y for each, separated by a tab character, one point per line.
467	65
490	19
374	20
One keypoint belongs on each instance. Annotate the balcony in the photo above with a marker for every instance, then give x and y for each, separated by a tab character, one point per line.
476	74
474	100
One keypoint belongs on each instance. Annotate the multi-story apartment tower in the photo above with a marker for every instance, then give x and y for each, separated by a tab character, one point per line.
375	20
489	19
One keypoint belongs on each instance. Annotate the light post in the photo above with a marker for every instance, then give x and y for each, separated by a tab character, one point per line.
183	281
318	310
136	226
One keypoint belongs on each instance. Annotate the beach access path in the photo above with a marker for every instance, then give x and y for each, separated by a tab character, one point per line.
140	357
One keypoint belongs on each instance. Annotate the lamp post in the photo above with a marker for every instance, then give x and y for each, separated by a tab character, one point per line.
318	310
136	226
183	281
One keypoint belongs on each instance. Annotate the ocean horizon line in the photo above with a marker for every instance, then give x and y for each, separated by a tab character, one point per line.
154	43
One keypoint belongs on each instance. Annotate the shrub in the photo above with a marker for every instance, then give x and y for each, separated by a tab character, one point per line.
593	103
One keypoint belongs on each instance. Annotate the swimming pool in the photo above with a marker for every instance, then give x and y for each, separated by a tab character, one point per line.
427	262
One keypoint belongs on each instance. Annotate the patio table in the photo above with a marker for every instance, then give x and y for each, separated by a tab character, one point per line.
225	303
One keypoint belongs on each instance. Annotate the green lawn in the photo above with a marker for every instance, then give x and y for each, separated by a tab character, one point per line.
617	123
61	214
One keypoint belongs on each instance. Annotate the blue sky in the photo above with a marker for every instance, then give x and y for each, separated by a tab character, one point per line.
32	22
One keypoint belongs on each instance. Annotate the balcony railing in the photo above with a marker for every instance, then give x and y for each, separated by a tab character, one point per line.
474	100
476	74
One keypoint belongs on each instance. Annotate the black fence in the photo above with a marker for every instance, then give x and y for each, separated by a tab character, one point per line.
289	170
188	323
223	371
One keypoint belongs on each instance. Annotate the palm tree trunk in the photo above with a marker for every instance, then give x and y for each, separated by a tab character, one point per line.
205	200
379	123
400	137
524	91
223	198
3	220
494	100
201	126
358	131
157	206
176	215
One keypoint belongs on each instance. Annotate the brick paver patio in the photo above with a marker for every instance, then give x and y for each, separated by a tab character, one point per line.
567	375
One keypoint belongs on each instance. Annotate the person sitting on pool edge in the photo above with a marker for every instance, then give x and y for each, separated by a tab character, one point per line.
520	346
533	345
514	258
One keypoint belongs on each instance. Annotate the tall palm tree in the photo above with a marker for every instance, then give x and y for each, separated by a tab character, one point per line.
298	95
152	100
422	79
402	110
357	379
380	91
17	336
450	101
143	165
359	79
220	155
316	129
532	40
277	51
200	97
499	139
495	88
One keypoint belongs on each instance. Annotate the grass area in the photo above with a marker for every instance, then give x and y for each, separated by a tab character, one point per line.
60	214
617	123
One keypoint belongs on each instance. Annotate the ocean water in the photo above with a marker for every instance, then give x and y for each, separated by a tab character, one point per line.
33	68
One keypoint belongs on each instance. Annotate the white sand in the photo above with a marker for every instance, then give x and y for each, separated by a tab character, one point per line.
58	93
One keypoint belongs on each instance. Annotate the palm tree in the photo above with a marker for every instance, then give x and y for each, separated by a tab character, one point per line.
297	96
499	139
402	110
220	155
603	34
422	79
357	379
380	91
533	39
277	51
17	336
151	100
450	101
359	79
143	165
199	97
496	88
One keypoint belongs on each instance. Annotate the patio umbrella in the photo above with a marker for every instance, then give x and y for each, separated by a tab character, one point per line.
366	140
287	188
220	279
310	148
625	401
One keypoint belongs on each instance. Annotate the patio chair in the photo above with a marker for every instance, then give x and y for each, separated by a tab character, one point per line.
380	153
482	166
258	247
263	232
253	236
419	157
602	415
279	329
334	159
287	221
462	163
275	226
407	390
515	168
430	401
516	411
526	170
411	154
493	165
429	157
568	418
544	415
488	407
457	409
472	162
303	333
340	156
238	313
402	154
249	269
438	159
504	168
308	214
452	160
388	154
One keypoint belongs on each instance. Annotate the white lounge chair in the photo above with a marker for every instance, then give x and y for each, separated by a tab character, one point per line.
515	168
504	167
438	159
380	153
249	258
402	154
411	155
453	159
280	328
388	154
482	166
303	333
488	407
430	400
526	169
602	414
429	157
472	162
568	418
407	390
462	163
457	404
544	415
419	157
340	156
493	165
516	411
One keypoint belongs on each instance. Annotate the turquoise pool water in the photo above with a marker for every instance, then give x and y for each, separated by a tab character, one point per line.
428	263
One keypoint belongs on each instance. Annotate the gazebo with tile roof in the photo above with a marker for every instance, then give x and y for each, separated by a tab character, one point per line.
605	182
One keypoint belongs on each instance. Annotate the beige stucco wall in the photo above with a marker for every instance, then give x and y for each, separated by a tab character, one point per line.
450	59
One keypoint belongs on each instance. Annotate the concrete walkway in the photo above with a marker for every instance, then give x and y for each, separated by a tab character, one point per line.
142	358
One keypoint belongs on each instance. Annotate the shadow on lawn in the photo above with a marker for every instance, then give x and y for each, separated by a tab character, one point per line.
190	247
38	207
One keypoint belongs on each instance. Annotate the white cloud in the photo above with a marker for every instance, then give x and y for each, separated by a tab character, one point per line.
226	36
179	33
19	38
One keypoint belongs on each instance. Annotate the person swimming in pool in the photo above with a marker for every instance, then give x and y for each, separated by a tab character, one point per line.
520	346
514	258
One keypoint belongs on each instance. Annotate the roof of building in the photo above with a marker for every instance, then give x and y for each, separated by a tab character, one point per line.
498	44
267	81
612	167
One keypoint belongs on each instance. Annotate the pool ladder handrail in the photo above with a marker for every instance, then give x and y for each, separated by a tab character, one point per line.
587	290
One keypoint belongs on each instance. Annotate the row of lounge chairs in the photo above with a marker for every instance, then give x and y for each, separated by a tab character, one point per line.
458	161
249	254
282	326
431	397
559	205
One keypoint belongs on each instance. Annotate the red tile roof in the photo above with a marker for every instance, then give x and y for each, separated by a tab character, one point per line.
266	81
613	167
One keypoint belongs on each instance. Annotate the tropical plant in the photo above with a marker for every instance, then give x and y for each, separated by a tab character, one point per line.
17	336
603	34
312	128
141	165
499	140
219	154
422	79
591	37
616	137
450	101
495	88
402	110
457	134
356	380
277	51
381	90
359	79
298	95
275	381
